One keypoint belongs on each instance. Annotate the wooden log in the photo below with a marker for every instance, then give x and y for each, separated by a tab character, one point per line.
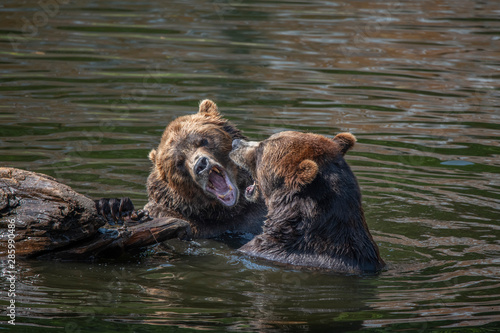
47	215
114	243
53	221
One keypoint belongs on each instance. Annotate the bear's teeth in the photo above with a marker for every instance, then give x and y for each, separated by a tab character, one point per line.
217	170
223	196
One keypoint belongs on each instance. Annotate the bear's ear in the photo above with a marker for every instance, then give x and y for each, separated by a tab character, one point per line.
306	172
233	131
157	168
209	108
345	140
152	156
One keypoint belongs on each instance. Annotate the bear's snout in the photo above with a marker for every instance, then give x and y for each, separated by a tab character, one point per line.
237	153
201	165
214	179
243	153
239	143
236	143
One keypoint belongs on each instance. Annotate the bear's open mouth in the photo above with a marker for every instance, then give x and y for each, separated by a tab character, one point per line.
221	186
250	190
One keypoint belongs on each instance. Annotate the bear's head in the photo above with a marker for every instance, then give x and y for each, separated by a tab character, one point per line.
192	163
287	161
315	216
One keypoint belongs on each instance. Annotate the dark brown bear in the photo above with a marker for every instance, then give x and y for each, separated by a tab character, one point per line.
194	179
315	217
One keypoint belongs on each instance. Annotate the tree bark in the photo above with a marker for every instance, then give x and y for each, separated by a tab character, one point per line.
51	220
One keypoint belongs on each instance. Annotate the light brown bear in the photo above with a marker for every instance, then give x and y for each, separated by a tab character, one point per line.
315	217
194	179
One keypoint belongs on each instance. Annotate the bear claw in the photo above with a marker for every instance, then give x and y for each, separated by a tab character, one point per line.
118	211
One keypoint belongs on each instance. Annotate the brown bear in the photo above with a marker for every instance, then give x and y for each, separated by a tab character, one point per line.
315	217
194	179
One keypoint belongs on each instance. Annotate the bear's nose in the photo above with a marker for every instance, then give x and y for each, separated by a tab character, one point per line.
236	143
201	165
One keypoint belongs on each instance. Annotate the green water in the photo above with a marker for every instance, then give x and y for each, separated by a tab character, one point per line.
87	87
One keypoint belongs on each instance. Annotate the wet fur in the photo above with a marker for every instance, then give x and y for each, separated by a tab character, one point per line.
315	217
172	189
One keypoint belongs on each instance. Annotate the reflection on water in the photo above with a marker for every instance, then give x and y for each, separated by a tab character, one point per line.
86	90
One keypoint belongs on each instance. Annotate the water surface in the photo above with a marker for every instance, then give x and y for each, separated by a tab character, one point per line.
86	89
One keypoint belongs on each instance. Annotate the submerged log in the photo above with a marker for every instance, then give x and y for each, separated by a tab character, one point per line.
52	220
113	243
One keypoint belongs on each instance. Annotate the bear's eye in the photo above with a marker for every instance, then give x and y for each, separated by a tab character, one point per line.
179	163
203	143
